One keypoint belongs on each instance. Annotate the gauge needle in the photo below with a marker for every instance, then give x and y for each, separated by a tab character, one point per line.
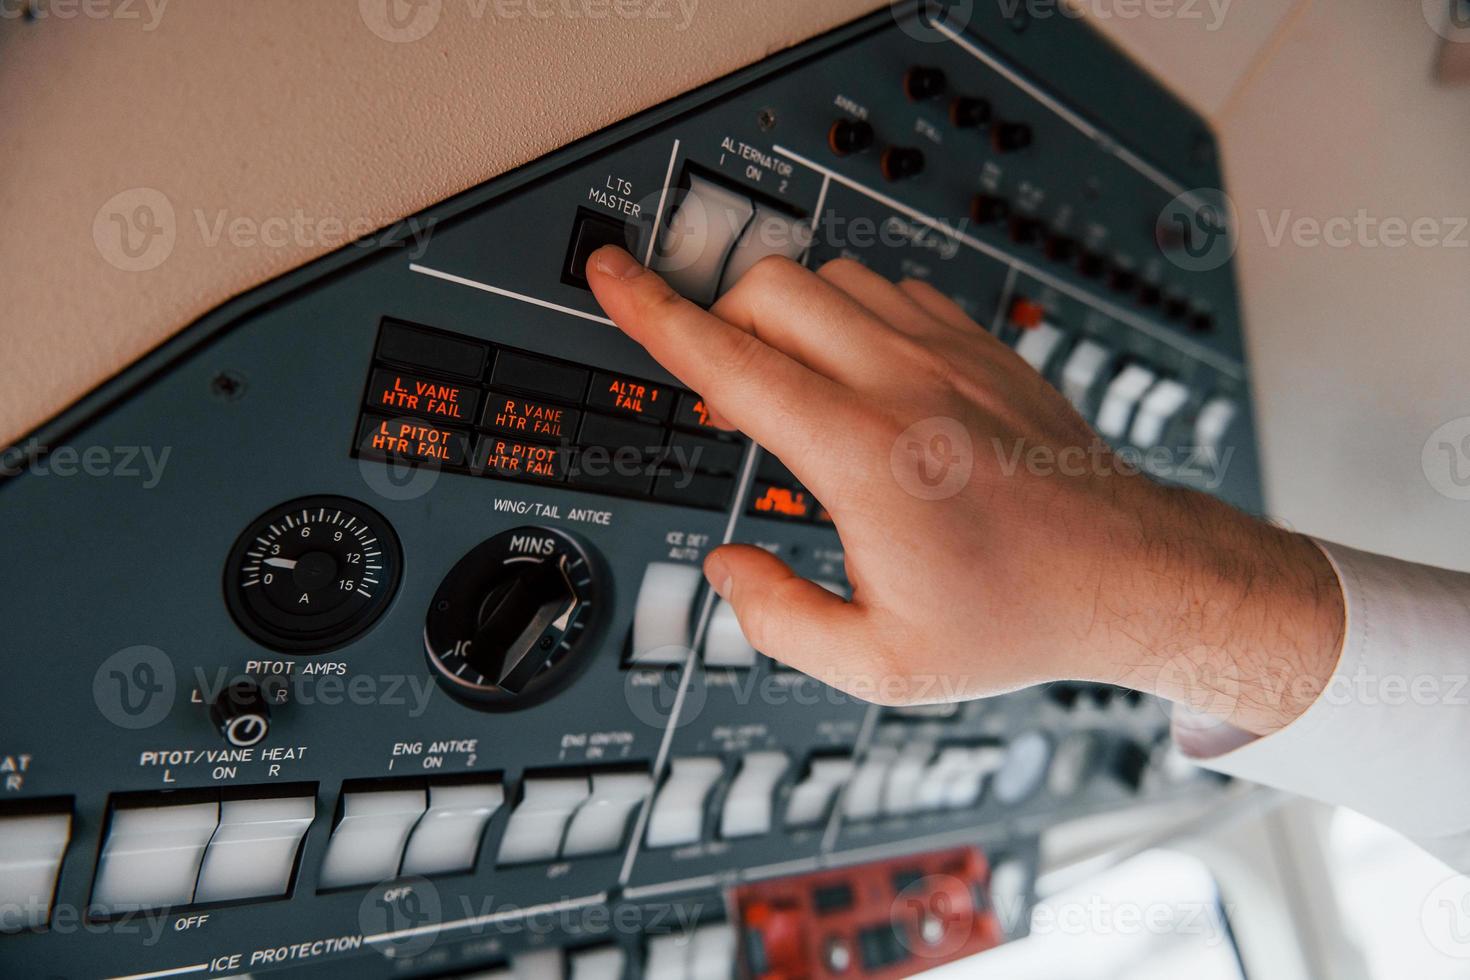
281	562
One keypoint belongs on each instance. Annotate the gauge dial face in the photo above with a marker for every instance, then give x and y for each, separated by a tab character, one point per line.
312	574
508	619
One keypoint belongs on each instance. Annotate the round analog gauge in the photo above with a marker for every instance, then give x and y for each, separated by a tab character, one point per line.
312	574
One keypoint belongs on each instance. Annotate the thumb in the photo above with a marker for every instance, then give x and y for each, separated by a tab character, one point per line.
785	616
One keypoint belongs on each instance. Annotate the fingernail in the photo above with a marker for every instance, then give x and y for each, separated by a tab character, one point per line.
718	574
617	263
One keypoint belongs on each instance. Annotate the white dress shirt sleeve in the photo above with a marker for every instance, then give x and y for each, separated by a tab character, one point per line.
1390	734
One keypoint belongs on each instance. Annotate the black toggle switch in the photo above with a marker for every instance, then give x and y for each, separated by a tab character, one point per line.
1090	264
900	162
1121	280
988	209
1024	230
968	112
590	231
1201	322
921	83
1059	248
848	136
1008	137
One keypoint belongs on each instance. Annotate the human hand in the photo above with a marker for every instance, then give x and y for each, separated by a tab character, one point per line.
974	569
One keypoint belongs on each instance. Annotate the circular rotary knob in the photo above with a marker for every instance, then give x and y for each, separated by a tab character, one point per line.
242	714
968	112
848	136
508	619
923	82
900	162
1008	137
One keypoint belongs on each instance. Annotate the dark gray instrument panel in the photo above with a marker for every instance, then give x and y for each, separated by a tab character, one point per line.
387	653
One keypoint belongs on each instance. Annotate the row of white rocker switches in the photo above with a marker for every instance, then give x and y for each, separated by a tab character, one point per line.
664	618
706	953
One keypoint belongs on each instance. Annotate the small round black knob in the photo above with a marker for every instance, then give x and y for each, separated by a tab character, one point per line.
988	209
1090	264
1008	137
968	112
1059	248
1175	307
1150	294
848	136
1121	280
900	162
242	714
1201	322
921	82
1024	230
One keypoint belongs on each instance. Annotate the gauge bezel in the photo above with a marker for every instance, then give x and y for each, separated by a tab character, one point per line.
336	635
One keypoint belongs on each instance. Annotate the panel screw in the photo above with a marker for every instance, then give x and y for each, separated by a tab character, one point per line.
766	119
227	386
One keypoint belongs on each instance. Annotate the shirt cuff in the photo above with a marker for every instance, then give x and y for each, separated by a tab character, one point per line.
1389	734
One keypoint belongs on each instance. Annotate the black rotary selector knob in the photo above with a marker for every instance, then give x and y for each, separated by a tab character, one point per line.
509	618
1008	137
987	209
849	136
900	162
922	82
242	714
969	112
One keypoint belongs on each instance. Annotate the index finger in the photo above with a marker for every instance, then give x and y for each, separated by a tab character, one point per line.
781	404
